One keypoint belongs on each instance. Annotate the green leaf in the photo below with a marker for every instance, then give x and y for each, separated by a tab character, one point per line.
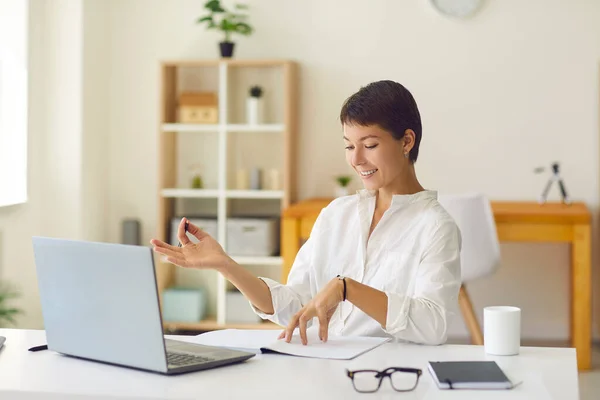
243	28
227	26
343	180
209	5
241	6
7	313
214	6
208	18
7	295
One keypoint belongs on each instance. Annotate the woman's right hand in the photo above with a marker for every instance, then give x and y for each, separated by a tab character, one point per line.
207	253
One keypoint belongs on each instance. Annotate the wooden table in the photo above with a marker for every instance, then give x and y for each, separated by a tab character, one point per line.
516	222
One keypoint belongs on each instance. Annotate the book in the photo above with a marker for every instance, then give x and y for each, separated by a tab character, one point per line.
265	341
468	375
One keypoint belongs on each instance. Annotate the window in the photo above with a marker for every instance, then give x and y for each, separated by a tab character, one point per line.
13	101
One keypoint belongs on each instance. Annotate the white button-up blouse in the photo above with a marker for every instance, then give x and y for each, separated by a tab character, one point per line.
413	255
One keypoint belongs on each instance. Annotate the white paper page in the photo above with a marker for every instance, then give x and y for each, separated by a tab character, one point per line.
240	339
336	347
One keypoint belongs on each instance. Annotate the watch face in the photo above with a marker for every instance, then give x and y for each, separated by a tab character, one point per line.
457	8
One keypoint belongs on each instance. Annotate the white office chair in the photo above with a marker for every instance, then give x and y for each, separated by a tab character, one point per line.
480	254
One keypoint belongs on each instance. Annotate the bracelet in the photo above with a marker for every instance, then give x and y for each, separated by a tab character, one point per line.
343	279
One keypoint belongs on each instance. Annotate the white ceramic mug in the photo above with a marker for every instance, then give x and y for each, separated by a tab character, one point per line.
502	330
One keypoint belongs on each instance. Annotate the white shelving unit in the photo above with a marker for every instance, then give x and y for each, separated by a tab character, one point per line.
225	134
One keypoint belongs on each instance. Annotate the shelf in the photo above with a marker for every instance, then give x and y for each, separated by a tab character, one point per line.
190	193
234	62
255	128
213	128
190	128
211	324
254	194
214	193
249	260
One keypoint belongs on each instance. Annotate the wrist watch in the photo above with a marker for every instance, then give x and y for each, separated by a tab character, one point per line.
343	279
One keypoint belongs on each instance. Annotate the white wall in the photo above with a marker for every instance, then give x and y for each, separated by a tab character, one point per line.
67	142
95	119
511	89
64	105
18	223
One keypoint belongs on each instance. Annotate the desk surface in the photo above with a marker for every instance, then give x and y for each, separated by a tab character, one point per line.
547	373
514	211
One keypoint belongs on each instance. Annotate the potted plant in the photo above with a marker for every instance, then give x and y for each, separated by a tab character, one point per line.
7	312
229	22
196	181
254	106
342	189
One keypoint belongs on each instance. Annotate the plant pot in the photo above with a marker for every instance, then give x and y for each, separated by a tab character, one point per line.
341	191
226	49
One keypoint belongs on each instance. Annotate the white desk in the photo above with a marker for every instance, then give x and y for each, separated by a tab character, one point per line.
547	373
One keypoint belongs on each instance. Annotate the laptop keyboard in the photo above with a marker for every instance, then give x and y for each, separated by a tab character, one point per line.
182	359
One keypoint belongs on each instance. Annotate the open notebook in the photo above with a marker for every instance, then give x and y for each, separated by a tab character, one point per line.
265	341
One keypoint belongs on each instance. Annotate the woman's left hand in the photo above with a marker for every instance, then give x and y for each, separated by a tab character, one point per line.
322	306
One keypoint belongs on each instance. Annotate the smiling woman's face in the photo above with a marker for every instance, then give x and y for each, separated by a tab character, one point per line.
375	155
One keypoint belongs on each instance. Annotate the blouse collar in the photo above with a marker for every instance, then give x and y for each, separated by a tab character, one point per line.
400	199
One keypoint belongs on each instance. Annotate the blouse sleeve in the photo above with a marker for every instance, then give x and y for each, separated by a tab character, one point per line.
423	317
288	299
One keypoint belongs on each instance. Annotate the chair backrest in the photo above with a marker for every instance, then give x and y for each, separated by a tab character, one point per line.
480	253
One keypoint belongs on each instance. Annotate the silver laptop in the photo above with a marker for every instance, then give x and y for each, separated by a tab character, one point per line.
100	302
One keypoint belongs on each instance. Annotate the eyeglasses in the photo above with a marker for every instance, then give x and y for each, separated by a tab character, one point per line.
369	380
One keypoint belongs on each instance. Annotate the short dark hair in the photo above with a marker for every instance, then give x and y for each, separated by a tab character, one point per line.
387	104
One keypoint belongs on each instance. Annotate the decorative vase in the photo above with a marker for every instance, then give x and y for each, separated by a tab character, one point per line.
273	179
255	179
242	180
341	191
226	49
254	110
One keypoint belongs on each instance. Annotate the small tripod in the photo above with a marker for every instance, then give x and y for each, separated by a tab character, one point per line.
554	178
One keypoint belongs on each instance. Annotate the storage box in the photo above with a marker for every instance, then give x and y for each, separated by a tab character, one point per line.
257	237
198	115
183	304
238	309
208	225
198	108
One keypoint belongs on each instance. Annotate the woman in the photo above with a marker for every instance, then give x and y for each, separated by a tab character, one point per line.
382	262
